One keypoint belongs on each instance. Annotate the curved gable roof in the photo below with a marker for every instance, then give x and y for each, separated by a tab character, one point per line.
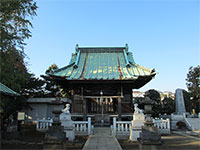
102	63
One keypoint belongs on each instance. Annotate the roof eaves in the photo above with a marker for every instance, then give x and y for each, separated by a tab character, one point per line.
6	90
60	69
152	71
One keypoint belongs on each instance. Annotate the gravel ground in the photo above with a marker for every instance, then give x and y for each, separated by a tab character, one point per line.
33	142
170	142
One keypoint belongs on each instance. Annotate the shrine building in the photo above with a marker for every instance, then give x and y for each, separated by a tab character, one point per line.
100	81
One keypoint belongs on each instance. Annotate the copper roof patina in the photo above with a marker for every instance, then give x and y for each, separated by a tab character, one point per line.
102	63
4	89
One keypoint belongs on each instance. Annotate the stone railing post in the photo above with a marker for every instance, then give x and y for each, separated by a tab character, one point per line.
37	126
165	124
161	123
168	123
89	125
172	116
199	114
114	126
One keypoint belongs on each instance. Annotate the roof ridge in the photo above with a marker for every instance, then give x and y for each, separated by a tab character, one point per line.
96	47
103	47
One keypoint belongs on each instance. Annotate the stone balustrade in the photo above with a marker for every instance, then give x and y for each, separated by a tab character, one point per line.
43	125
80	127
120	127
83	127
163	125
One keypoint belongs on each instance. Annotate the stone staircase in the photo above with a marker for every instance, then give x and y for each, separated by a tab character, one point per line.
195	123
102	131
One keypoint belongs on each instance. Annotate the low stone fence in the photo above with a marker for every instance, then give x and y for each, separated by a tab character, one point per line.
120	128
43	125
83	127
80	127
163	125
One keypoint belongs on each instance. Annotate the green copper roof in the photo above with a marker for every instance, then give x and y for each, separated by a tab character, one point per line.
102	63
6	90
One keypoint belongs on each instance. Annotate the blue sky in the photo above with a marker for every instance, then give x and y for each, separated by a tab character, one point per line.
164	35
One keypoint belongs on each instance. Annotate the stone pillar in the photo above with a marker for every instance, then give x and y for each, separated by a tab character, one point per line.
89	125
114	126
119	108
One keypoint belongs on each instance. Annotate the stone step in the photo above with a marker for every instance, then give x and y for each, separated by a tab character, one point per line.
101	125
194	122
102	131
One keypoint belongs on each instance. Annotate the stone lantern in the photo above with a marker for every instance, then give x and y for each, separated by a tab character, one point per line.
149	134
55	135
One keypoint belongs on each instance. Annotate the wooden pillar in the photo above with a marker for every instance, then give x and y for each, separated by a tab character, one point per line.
119	108
131	100
84	105
73	104
84	110
97	105
120	93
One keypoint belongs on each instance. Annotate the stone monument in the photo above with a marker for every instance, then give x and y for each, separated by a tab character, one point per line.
180	105
137	123
67	122
180	109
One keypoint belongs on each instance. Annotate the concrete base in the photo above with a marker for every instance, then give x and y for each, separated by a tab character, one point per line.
55	133
12	128
150	136
134	134
67	123
137	123
69	133
175	119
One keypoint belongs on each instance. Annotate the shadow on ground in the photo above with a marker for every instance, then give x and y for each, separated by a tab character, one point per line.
170	142
35	140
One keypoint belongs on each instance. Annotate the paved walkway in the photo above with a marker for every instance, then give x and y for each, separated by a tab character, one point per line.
190	136
102	140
